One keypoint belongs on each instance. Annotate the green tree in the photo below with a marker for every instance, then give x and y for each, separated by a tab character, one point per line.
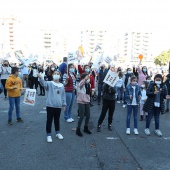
163	58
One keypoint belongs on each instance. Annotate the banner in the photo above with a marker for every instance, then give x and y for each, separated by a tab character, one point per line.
108	59
111	78
29	97
98	61
72	57
97	48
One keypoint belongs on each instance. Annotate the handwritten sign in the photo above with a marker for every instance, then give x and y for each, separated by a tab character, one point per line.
108	59
111	78
29	97
72	57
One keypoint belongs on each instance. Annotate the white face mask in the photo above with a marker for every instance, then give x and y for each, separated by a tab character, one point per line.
52	68
134	83
88	81
56	77
148	81
158	82
143	86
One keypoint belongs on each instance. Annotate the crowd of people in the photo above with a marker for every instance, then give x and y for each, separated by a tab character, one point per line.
136	89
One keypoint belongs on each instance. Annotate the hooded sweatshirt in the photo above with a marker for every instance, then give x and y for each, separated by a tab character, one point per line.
11	82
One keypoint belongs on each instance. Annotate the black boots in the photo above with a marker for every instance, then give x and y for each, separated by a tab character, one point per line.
86	130
78	132
110	128
98	128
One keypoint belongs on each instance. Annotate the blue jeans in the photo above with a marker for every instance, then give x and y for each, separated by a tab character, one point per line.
100	88
119	91
155	112
70	97
14	101
124	99
135	115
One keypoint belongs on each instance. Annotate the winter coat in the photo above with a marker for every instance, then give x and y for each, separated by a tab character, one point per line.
109	92
149	104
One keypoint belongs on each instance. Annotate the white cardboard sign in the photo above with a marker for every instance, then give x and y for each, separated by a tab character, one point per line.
108	59
111	78
72	57
29	97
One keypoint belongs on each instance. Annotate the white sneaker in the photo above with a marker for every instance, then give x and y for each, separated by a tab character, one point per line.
72	119
49	139
124	105
69	120
136	132
158	132
118	101
147	132
59	136
128	131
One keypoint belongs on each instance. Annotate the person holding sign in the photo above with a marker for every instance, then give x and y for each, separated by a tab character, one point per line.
14	87
133	96
154	105
56	100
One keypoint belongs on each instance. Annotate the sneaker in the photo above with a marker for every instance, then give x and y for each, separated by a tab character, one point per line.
118	101
128	131
10	122
59	136
98	128
136	132
158	132
49	139
72	119
124	106
19	120
147	132
69	121
110	128
6	97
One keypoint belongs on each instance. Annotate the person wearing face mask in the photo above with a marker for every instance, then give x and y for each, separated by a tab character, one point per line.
6	71
142	73
42	74
33	76
83	100
126	82
108	105
154	105
14	88
133	96
144	86
87	69
69	81
167	83
56	101
49	72
148	79
119	87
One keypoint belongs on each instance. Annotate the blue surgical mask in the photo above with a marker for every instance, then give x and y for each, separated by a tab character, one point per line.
71	70
144	70
129	72
87	70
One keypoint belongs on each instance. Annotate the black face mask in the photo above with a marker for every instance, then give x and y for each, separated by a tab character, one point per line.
102	68
5	65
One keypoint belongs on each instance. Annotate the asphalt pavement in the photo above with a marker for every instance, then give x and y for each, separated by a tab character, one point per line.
23	146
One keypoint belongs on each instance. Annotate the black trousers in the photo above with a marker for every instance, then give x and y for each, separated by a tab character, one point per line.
34	81
42	90
107	105
53	113
3	81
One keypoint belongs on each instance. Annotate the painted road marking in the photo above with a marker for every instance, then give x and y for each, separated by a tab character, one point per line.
112	138
43	111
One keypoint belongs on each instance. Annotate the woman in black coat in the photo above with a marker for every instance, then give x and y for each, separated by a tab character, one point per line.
154	105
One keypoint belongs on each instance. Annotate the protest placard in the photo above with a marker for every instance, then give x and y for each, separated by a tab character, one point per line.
29	97
108	59
111	78
72	57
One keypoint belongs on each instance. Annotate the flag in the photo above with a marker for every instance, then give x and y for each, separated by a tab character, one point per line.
19	54
98	61
97	48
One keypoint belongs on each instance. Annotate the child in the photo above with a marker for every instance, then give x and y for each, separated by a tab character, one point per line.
14	87
154	105
56	100
83	100
144	86
119	87
132	95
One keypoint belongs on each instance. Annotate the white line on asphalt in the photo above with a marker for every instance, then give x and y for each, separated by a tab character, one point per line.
43	111
166	138
112	138
5	111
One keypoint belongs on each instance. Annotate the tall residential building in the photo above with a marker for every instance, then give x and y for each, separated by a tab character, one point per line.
134	43
91	38
7	35
53	44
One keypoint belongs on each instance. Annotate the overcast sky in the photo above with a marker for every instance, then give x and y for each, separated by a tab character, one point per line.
73	15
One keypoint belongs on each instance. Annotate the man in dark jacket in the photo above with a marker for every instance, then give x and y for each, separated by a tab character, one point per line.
167	83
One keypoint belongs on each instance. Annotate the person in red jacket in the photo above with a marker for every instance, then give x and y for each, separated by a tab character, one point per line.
86	69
